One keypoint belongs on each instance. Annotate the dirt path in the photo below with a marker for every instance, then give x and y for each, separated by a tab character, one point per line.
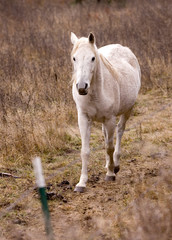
99	212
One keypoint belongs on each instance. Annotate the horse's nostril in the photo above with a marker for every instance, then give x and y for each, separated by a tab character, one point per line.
82	88
82	91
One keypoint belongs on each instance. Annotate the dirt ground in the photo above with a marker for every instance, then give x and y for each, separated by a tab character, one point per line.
103	210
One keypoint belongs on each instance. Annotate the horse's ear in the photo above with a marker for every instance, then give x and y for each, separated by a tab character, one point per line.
91	38
74	38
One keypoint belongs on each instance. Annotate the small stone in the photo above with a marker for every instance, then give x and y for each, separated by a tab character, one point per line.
132	160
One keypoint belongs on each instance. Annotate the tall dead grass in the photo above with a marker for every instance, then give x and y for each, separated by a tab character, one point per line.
150	217
36	105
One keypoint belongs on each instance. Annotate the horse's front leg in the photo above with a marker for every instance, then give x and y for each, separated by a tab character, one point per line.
84	127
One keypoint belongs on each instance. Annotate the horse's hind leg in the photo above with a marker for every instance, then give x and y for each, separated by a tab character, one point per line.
105	137
108	130
119	132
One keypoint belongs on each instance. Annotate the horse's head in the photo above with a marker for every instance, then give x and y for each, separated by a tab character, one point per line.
84	61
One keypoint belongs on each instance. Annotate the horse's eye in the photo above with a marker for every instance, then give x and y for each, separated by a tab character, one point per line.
93	58
74	59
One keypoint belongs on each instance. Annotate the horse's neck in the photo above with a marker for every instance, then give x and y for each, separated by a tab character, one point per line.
105	72
105	84
99	76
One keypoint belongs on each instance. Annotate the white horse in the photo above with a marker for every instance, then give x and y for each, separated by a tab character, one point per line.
106	82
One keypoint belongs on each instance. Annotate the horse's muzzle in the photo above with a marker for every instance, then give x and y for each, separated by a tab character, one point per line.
82	89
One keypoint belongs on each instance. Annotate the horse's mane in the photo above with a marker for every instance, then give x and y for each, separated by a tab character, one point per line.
109	66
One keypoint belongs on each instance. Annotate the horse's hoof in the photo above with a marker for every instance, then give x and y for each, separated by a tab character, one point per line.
79	189
116	169
110	178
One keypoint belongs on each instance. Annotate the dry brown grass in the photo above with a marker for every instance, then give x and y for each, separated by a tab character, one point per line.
136	206
150	216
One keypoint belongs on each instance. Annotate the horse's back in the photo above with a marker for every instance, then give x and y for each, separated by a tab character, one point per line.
117	53
126	65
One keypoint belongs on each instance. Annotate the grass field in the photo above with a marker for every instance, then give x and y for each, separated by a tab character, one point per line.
38	117
136	206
